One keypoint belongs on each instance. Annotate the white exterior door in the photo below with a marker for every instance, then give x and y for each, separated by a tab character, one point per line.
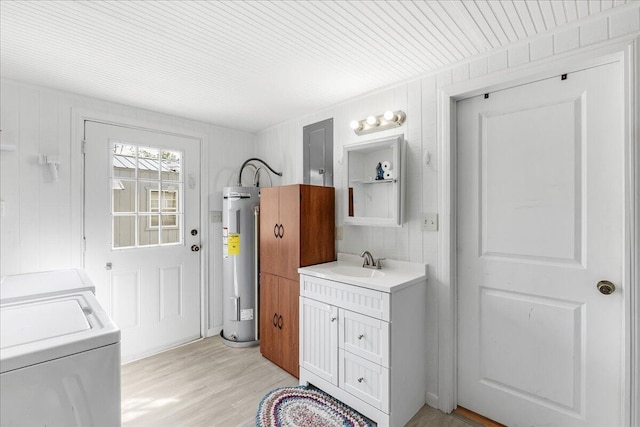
142	204
539	224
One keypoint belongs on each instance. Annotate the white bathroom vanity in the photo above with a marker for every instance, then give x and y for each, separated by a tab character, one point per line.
362	335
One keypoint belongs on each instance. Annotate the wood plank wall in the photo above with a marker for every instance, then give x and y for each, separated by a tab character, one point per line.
39	230
418	99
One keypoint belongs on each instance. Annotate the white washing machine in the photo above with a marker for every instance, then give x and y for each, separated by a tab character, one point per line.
59	353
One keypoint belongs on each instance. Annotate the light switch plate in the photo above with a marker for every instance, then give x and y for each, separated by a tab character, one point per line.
216	216
429	221
339	233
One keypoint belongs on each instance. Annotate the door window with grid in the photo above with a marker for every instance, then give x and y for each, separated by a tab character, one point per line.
147	188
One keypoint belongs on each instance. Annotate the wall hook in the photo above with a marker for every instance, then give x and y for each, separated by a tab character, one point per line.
53	162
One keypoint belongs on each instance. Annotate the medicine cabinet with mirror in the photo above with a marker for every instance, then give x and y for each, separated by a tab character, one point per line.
375	182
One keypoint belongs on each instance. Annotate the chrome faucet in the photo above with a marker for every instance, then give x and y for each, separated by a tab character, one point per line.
369	262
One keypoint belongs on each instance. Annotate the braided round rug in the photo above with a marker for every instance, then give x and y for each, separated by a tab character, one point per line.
305	406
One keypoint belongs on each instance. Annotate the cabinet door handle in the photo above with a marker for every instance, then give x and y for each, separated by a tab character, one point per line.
361	379
281	231
360	336
275	319
333	319
280	322
275	230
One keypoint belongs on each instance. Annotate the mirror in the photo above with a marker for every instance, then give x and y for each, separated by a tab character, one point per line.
375	180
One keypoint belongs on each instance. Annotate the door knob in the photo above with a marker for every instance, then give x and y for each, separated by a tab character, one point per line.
606	287
195	248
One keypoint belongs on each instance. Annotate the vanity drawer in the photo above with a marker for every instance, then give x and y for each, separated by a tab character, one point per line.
366	301
366	380
364	336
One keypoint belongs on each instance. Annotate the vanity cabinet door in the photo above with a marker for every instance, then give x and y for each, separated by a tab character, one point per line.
319	338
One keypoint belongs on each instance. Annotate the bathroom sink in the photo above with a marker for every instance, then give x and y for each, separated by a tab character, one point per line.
351	271
348	269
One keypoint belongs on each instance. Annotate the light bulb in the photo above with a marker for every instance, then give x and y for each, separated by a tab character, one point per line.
355	125
390	116
372	121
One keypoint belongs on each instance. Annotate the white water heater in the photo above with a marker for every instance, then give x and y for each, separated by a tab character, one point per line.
240	221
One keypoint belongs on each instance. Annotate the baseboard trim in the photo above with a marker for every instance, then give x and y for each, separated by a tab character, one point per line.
431	399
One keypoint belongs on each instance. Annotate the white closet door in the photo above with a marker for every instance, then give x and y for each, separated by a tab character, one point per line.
540	224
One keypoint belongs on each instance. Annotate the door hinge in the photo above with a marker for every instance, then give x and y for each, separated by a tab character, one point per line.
84	244
84	147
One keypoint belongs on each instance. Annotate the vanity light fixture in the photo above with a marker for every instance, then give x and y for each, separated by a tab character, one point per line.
388	120
390	116
355	125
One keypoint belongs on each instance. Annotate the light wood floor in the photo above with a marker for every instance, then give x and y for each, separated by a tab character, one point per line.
207	383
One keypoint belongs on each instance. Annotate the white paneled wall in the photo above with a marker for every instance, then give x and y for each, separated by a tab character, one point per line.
282	145
39	229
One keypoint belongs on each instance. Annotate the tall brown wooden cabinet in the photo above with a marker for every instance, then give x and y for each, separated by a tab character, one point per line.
297	225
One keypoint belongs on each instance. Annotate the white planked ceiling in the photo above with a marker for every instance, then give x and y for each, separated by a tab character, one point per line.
252	64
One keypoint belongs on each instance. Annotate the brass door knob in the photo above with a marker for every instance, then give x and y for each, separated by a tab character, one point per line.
606	287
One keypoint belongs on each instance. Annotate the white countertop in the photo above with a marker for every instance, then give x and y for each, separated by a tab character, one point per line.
394	276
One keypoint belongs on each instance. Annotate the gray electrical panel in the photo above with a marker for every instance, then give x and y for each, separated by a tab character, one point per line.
318	153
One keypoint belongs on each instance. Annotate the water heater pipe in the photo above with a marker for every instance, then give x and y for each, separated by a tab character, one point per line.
258	160
256	267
